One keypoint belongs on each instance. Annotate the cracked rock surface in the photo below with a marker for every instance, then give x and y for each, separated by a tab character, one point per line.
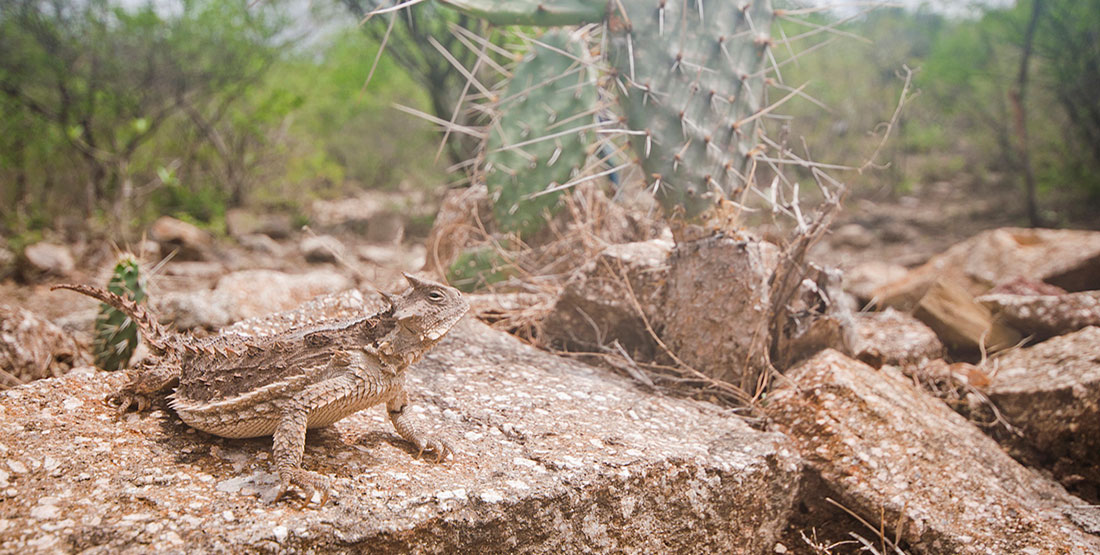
550	456
904	459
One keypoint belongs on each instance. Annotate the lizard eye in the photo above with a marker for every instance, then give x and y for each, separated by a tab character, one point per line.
435	296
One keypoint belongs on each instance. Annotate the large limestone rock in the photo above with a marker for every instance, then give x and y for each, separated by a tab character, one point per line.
1067	258
898	457
551	456
1051	392
596	307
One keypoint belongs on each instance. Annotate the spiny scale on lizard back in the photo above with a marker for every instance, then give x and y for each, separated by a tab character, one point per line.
268	360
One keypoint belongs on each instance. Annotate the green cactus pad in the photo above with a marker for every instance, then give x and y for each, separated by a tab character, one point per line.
533	12
548	94
116	336
477	268
694	72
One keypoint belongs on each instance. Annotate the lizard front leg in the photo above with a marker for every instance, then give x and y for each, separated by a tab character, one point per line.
147	382
410	429
288	445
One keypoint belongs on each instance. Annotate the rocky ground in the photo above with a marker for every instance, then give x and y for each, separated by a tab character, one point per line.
946	400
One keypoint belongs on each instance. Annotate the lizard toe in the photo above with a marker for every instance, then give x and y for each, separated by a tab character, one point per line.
308	482
436	447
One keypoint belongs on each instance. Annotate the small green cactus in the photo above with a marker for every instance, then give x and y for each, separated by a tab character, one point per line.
478	268
530	147
116	335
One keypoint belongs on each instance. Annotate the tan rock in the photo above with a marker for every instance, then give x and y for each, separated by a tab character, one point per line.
1051	391
189	242
240	222
715	314
963	324
1046	315
862	280
551	456
1066	258
895	338
42	259
595	307
898	457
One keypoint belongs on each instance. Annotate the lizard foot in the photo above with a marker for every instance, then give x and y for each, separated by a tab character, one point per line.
307	481
434	447
122	400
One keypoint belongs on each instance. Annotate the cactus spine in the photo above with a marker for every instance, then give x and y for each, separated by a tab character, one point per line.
116	334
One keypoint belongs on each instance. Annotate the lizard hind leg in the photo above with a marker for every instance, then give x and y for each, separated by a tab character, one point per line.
288	444
147	382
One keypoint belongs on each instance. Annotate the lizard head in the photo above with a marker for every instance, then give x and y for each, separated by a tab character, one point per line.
429	309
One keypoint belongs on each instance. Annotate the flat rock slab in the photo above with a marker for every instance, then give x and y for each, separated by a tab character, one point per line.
550	456
882	445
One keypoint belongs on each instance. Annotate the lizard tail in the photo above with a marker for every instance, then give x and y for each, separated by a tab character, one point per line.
154	333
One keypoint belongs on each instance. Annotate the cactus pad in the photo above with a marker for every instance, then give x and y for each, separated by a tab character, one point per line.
694	73
530	147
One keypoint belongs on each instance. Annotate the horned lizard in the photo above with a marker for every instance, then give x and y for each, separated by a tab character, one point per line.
237	386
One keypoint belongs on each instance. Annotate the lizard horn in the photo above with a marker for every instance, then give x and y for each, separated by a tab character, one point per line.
415	281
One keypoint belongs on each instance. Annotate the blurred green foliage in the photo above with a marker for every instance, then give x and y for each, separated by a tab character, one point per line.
110	116
960	123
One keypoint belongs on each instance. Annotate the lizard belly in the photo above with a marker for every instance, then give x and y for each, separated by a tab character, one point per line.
259	416
327	414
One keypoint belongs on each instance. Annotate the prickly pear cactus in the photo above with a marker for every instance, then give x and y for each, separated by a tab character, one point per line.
533	145
694	74
116	336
